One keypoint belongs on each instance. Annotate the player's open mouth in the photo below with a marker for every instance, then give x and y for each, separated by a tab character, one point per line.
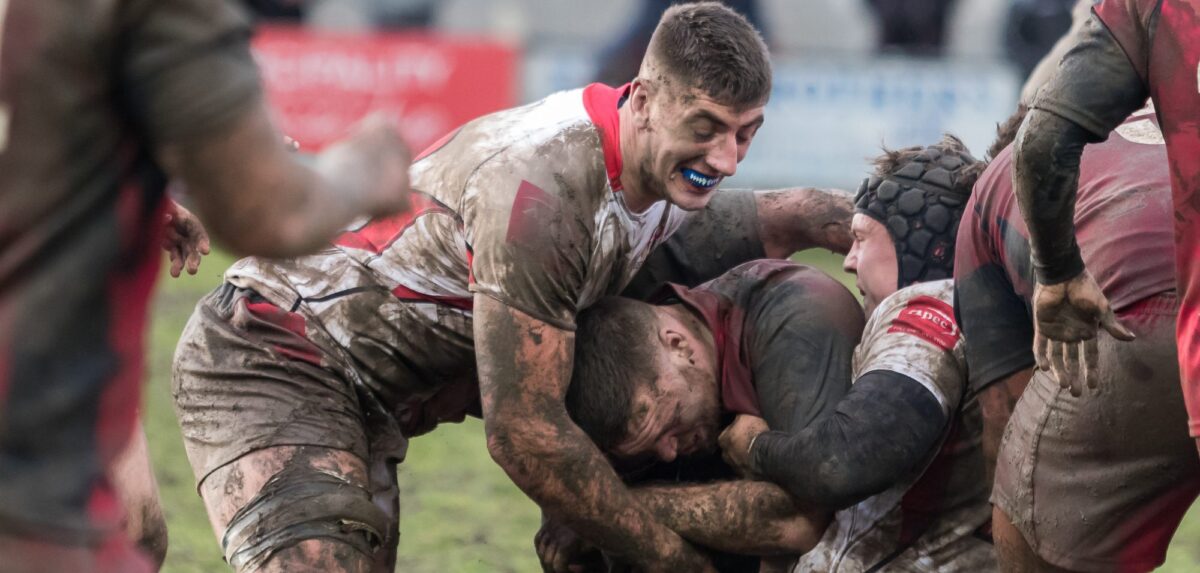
698	179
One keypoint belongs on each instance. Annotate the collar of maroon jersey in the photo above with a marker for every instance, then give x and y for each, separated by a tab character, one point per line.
738	395
602	104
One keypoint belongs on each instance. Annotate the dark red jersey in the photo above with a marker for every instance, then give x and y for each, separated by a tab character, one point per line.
1122	223
1162	40
89	90
785	334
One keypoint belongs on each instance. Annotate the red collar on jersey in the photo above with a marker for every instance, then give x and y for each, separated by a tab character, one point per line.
726	321
601	103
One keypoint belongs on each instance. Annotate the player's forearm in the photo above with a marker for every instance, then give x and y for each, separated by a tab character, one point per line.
1046	159
304	214
557	467
258	198
252	195
747	517
880	433
579	488
792	220
523	368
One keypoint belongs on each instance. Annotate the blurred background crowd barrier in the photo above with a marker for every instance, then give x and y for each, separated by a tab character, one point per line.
850	75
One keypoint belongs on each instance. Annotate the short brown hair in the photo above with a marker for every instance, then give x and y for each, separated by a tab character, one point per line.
716	50
614	355
1006	132
893	159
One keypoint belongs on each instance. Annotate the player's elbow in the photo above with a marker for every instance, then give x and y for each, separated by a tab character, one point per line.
517	451
500	443
843	491
792	220
800	533
837	484
1048	142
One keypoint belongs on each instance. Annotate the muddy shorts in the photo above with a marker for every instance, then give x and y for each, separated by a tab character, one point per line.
249	375
1101	482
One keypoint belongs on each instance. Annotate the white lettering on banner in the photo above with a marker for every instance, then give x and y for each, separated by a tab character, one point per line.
825	117
320	84
405	68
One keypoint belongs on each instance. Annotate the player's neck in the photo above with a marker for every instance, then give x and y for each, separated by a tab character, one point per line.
631	178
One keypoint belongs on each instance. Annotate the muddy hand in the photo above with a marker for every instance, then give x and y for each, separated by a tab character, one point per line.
736	439
560	550
1067	318
184	239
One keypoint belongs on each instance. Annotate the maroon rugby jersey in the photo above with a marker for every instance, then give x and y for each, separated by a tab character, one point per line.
1122	224
784	335
1162	40
88	91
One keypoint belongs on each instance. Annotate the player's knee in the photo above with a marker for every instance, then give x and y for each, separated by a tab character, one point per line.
302	503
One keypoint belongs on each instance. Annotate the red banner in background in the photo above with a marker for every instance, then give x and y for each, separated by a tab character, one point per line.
320	83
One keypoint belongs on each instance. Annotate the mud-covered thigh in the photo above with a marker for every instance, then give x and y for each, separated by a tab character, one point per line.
278	441
246	377
1101	481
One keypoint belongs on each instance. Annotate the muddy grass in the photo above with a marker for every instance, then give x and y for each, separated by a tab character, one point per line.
459	513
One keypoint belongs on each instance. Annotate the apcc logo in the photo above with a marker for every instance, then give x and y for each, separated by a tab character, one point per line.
929	319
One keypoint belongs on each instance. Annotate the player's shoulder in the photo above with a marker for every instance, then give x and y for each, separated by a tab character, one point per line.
993	191
554	125
941	290
924	310
540	132
779	272
1118	15
783	287
547	152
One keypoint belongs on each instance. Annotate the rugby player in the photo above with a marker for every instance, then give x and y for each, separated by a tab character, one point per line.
99	103
1128	51
1127	443
897	458
299	382
733	345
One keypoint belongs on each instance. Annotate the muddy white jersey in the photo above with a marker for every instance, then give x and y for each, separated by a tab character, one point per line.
936	519
523	205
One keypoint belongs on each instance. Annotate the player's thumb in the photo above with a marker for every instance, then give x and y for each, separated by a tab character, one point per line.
1109	322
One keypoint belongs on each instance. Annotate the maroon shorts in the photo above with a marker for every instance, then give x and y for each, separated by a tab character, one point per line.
1100	482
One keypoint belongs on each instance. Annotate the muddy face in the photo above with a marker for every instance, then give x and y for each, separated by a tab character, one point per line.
672	420
690	142
679	414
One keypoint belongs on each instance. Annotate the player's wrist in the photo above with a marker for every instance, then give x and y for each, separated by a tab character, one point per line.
753	449
1059	268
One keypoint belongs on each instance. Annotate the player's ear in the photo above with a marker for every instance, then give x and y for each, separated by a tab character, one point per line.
676	343
639	101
